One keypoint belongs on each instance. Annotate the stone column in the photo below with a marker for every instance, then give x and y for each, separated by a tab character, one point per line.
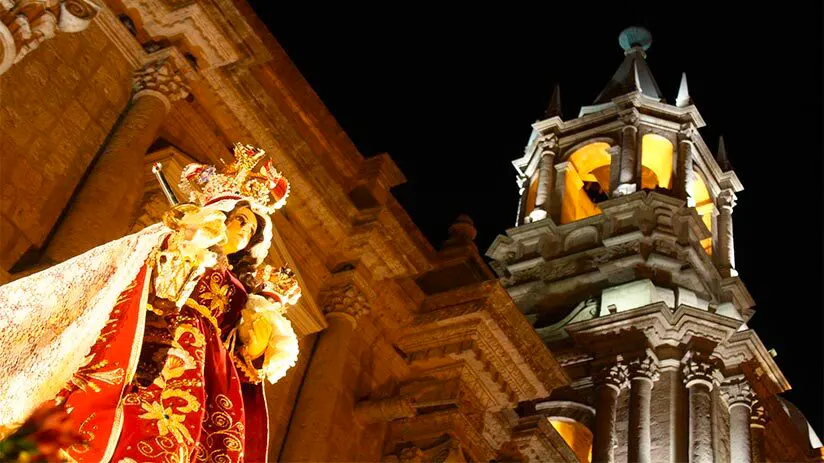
684	173
699	382
608	383
758	423
546	178
726	245
676	432
105	204
642	374
627	178
739	396
324	385
555	204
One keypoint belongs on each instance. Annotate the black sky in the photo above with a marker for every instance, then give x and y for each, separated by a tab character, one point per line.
451	92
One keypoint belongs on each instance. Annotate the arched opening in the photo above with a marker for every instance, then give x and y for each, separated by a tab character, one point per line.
704	206
656	162
586	182
576	435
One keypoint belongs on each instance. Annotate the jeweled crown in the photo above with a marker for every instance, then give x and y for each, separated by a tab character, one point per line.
267	187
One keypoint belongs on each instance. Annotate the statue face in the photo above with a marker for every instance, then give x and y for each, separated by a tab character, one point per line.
240	227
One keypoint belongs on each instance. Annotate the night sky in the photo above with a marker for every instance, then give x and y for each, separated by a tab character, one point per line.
450	94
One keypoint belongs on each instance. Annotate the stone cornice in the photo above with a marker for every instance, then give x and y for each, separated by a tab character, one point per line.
745	346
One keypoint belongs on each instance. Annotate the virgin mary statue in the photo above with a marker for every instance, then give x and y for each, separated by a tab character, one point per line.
156	344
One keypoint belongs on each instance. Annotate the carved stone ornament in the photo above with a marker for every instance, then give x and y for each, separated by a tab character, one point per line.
643	368
160	77
738	392
759	417
726	199
687	132
548	143
614	376
345	299
630	117
697	371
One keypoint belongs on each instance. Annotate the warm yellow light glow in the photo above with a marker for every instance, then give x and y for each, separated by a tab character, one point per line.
704	206
577	437
656	162
587	164
532	194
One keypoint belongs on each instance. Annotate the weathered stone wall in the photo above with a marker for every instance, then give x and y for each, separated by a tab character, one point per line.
58	105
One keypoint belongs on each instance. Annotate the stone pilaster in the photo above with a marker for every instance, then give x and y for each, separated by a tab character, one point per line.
674	436
106	203
758	423
558	191
684	173
739	397
699	380
325	385
608	384
642	374
725	202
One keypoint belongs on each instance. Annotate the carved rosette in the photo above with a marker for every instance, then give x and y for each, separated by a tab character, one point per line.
643	368
698	371
345	300
615	376
160	78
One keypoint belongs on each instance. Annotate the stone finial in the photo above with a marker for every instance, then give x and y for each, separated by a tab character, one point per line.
643	368
698	371
721	158
162	78
738	392
462	231
614	376
683	99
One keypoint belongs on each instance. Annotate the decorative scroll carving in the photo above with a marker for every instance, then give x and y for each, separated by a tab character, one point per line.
738	391
614	375
28	23
346	299
726	199
698	370
643	368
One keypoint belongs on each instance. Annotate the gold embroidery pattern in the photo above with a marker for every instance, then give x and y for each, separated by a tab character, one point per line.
218	293
87	375
222	433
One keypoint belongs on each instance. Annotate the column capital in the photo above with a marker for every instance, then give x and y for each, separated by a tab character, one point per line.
343	295
758	416
698	370
738	391
726	199
630	117
161	78
614	376
548	144
644	367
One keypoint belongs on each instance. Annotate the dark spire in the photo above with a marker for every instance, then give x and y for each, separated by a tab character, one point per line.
683	99
721	157
633	74
554	108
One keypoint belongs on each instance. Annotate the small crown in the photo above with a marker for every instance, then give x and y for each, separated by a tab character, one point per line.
267	187
280	284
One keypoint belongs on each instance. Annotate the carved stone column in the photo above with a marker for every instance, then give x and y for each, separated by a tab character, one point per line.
758	422
546	178
324	385
739	397
105	205
726	245
555	203
642	374
699	381
608	383
630	156
25	24
671	380
684	173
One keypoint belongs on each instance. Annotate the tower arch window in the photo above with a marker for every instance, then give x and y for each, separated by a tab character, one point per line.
577	436
656	162
704	205
586	182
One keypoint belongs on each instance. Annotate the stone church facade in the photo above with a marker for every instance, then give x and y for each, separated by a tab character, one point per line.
616	323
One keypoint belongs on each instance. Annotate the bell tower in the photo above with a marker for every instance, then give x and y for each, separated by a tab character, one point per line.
623	260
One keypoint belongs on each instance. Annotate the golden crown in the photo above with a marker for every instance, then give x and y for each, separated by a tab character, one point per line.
267	187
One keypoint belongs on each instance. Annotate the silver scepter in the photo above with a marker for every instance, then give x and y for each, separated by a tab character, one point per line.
157	170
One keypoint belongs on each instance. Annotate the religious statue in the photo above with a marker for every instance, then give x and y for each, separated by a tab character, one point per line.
156	344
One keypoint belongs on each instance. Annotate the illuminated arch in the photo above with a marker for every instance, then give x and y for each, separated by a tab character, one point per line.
704	205
577	436
586	182
656	162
